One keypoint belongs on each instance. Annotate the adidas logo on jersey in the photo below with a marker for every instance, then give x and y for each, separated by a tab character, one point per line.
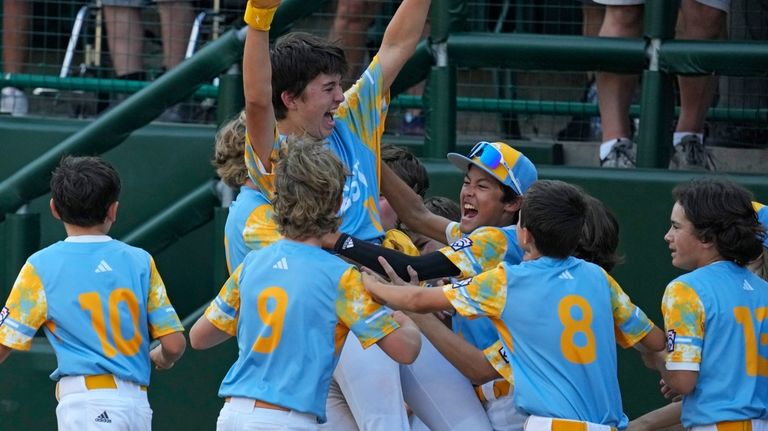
747	286
104	418
565	275
348	243
281	264
103	266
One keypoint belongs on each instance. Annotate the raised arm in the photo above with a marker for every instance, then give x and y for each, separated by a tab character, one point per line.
410	207
257	80
401	36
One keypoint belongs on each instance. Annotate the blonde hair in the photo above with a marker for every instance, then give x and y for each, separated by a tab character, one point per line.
760	265
308	188
228	157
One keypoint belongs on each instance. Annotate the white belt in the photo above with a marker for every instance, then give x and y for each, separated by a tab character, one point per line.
538	423
743	425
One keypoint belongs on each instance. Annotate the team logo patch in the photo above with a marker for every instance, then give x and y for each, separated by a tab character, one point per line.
461	244
3	314
462	283
671	335
503	353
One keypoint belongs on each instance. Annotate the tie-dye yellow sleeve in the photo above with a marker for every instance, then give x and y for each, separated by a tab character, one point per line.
396	239
260	228
365	107
630	323
263	180
496	354
485	248
483	295
163	319
368	320
453	232
225	309
684	321
25	311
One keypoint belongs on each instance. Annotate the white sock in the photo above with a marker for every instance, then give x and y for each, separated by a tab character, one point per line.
678	136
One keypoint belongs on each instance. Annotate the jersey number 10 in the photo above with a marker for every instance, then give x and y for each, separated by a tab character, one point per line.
91	302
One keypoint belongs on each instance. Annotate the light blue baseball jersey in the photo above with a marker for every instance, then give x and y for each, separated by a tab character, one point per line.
559	320
291	306
356	140
482	250
717	324
100	303
240	234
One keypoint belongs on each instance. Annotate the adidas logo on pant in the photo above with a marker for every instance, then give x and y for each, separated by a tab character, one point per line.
103	417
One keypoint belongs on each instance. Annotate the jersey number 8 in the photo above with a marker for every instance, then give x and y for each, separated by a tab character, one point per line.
91	302
582	354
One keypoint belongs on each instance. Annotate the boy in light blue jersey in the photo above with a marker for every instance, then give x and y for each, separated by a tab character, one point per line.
558	316
241	235
715	315
295	90
305	97
291	304
100	302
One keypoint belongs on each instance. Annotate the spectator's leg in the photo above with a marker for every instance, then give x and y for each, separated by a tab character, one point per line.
697	92
125	38
350	29
591	19
176	18
17	15
615	91
700	22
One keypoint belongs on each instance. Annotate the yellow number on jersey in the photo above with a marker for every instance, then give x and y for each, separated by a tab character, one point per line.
577	354
757	365
272	320
91	302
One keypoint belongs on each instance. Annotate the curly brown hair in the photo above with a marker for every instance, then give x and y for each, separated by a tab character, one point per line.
308	189
228	156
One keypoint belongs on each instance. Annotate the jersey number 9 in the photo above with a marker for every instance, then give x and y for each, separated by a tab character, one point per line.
272	319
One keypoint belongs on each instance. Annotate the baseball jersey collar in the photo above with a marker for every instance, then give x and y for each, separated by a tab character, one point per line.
88	238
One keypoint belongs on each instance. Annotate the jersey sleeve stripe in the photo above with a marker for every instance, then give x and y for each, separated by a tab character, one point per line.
21	328
682	366
691	341
382	312
225	308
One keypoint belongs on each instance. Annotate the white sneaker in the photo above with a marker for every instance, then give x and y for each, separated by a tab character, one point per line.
13	102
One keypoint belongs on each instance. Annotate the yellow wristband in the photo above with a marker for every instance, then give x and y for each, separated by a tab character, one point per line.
259	18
